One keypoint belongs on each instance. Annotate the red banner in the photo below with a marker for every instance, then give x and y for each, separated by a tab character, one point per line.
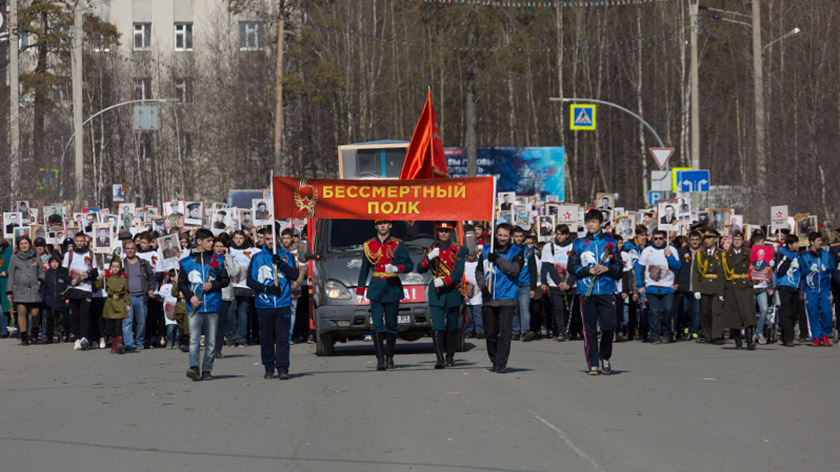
411	200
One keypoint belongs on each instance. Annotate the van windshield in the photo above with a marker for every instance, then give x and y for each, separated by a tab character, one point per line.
350	235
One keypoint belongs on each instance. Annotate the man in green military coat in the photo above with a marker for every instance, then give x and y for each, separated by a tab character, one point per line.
739	299
388	257
707	282
446	262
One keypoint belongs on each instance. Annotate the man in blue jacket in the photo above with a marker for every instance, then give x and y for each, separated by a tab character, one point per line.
270	277
597	266
817	266
497	275
201	280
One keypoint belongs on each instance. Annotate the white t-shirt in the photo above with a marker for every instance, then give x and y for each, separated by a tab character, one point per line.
165	293
469	275
81	264
557	257
657	272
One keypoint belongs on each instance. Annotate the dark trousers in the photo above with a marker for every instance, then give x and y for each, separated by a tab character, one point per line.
788	312
562	305
220	332
113	328
445	318
97	325
661	311
498	326
154	322
80	312
538	317
574	323
274	337
253	333
802	313
384	317
597	310
710	307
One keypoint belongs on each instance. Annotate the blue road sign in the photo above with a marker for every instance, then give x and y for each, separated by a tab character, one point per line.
694	181
654	196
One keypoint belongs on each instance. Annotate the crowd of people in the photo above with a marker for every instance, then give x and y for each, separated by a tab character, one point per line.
238	288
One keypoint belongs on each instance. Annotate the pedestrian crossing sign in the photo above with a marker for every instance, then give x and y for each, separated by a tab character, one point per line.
583	117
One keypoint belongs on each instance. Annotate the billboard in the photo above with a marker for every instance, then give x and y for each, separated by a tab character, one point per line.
524	170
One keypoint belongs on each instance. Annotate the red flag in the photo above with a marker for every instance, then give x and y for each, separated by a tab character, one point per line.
425	159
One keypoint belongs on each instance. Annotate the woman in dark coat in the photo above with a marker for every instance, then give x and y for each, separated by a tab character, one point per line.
739	297
25	276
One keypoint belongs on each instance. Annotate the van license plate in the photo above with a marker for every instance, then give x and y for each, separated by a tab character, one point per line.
403	319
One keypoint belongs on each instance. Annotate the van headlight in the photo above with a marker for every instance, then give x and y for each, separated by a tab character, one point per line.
338	291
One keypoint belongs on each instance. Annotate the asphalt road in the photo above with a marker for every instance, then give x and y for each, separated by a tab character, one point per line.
666	408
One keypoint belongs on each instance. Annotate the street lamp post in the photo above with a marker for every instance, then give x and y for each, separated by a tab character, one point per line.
80	175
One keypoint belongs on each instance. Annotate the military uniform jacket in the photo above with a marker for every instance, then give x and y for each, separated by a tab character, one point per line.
707	275
739	299
384	287
449	266
116	285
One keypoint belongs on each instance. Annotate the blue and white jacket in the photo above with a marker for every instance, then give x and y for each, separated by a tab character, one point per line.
196	269
262	273
787	269
816	271
589	252
502	276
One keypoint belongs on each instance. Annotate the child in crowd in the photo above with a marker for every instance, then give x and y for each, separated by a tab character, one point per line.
56	282
117	304
170	302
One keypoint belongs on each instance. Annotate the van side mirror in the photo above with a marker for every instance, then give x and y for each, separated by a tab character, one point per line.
470	243
303	253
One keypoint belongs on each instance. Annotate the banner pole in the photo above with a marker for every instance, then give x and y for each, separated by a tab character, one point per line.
273	224
493	219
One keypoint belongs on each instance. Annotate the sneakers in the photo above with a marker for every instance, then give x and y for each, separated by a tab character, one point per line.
269	374
656	341
825	341
606	369
561	338
206	376
283	375
368	338
77	345
529	336
102	343
817	342
84	344
788	343
192	373
515	337
501	370
480	334
593	370
762	339
310	339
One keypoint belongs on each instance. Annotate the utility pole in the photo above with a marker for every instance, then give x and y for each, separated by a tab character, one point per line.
279	168
14	95
760	125
694	11
76	57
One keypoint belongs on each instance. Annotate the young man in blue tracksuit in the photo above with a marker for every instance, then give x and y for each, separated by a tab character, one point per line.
788	280
201	280
655	281
597	266
270	276
817	266
497	275
527	285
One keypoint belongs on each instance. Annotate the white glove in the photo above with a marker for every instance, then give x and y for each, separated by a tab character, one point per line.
697	295
360	299
439	283
433	254
772	262
721	298
391	269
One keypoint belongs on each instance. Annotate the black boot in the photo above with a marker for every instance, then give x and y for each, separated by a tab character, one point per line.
736	335
391	340
451	340
750	334
379	350
184	343
437	337
24	338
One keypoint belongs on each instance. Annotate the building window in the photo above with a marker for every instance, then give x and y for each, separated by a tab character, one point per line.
183	36
250	35
183	89
186	146
142	36
142	88
99	43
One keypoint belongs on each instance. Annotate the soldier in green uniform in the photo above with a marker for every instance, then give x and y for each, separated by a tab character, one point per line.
707	281
446	262
388	257
739	299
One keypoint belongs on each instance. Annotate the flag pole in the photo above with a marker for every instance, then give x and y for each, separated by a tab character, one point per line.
273	223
